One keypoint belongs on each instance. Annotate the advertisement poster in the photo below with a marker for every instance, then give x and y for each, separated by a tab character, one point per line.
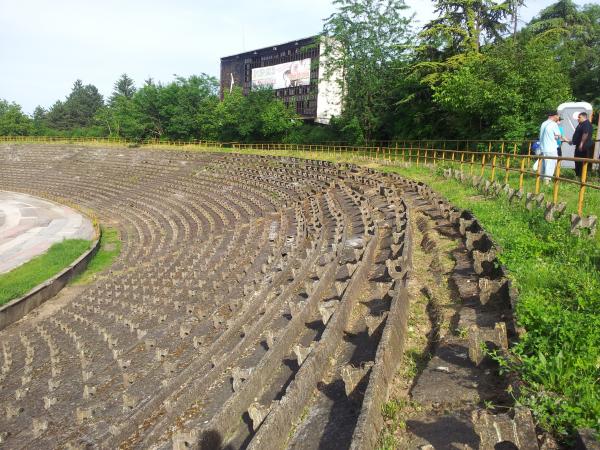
280	76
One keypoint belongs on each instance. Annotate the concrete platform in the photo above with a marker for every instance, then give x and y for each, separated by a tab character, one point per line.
30	225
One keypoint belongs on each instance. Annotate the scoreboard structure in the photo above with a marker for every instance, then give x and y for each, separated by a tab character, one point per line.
296	73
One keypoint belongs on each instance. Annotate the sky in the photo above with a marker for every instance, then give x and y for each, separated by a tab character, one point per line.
45	45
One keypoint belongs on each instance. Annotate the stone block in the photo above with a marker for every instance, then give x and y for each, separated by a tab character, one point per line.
184	330
129	402
553	210
326	310
484	263
49	402
238	376
480	241
589	223
13	410
302	352
587	439
257	413
479	337
53	384
83	414
352	375
502	429
493	290
296	307
39	426
532	200
372	322
269	339
185	440
88	392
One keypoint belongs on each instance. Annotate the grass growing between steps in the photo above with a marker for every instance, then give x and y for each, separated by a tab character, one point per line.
558	278
110	248
558	359
22	279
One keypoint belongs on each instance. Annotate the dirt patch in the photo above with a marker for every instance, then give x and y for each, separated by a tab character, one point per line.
433	306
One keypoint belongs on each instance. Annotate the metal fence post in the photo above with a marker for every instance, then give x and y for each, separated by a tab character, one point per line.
582	189
537	175
556	182
482	164
522	173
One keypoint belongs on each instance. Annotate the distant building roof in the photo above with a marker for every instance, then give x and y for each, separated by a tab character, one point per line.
270	47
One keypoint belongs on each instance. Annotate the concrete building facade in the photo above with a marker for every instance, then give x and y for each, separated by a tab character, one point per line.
296	73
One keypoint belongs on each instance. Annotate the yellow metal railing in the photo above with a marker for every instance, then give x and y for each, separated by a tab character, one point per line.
108	140
484	158
511	157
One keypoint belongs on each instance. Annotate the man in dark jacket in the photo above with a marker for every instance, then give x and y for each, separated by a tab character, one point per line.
583	141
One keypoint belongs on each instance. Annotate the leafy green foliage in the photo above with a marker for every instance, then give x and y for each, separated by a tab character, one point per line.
253	117
557	275
462	24
572	33
13	121
363	39
78	110
503	91
124	87
461	76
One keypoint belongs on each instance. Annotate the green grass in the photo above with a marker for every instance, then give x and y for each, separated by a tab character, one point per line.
22	279
110	248
558	279
557	275
568	192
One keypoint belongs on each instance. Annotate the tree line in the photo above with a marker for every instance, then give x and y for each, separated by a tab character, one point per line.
469	73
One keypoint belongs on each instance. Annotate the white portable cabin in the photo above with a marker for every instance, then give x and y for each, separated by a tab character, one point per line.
569	112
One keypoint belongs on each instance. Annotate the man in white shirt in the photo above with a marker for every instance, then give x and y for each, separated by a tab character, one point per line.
549	133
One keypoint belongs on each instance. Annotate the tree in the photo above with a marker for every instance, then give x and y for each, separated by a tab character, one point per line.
123	87
184	102
362	40
58	117
277	120
13	122
147	102
229	116
573	35
503	92
78	110
463	24
254	117
40	125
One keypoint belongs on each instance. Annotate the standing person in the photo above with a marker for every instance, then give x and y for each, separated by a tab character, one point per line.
583	141
549	133
559	140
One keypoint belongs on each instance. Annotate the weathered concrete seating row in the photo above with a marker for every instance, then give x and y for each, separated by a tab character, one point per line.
238	279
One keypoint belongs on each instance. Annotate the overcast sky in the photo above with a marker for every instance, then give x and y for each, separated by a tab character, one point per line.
46	45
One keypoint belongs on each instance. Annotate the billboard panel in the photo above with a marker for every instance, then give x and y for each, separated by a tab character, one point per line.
280	76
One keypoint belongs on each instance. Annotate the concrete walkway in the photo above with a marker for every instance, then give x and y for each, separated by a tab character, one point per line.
30	225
